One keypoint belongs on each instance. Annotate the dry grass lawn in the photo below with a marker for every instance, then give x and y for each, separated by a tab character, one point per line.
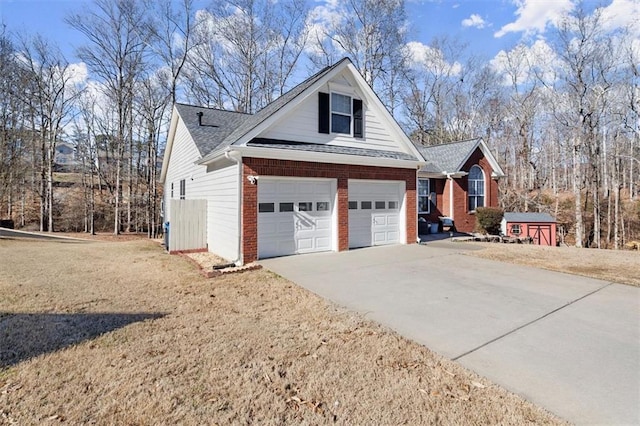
122	333
619	266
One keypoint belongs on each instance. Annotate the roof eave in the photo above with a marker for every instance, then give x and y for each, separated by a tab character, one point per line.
320	157
167	151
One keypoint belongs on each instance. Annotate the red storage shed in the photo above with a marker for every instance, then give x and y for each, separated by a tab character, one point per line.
541	227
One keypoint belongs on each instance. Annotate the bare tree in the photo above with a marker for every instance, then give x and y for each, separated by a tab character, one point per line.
373	34
247	52
116	54
51	99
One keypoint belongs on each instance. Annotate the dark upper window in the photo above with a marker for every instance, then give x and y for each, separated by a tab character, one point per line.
476	188
183	189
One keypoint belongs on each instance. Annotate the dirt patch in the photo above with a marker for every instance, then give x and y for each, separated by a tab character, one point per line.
619	266
124	333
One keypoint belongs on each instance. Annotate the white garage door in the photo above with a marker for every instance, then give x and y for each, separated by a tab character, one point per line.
294	216
374	212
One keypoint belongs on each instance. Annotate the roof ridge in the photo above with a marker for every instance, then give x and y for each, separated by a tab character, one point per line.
449	143
211	108
307	80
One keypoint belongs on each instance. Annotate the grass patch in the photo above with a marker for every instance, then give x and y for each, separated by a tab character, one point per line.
618	266
149	341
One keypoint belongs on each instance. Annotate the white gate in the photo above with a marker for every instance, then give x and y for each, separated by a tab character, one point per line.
187	225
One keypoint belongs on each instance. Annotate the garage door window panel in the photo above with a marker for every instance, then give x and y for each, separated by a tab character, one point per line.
305	207
322	206
365	205
266	207
286	207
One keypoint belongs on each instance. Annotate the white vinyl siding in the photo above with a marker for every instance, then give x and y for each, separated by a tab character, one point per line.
222	235
217	185
301	125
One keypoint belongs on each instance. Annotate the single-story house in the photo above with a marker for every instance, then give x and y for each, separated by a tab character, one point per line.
458	178
324	167
540	227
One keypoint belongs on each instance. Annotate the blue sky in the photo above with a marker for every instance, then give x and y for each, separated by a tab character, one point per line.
488	26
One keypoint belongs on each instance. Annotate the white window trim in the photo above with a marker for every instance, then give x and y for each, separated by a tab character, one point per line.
484	189
428	211
331	112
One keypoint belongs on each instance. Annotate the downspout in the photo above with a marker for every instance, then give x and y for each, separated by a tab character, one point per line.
237	158
450	179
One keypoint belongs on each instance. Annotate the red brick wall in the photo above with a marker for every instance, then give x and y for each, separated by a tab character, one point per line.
464	220
341	172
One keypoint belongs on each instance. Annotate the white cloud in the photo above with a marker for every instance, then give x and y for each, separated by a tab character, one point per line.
535	15
77	73
475	21
320	20
622	14
525	64
426	57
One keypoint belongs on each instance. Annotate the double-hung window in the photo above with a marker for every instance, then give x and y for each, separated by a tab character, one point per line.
340	113
424	204
476	188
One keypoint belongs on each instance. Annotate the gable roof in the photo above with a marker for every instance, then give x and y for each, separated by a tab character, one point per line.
451	157
259	117
529	217
222	130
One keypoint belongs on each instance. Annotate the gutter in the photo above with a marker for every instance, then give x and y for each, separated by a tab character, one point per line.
320	157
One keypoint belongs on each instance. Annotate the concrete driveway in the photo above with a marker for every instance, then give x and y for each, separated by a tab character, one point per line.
567	343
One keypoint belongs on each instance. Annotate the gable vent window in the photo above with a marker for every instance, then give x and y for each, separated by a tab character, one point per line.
183	189
341	114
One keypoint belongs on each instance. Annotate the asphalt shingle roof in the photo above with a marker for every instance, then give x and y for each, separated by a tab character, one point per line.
446	157
223	128
216	125
331	149
529	217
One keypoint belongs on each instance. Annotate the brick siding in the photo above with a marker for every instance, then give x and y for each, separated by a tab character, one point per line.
341	172
464	220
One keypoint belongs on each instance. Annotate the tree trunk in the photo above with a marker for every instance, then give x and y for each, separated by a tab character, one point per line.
577	191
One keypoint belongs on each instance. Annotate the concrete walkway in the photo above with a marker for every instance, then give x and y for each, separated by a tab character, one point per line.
567	343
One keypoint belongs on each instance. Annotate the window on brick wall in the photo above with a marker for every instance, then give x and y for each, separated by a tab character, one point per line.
476	188
424	205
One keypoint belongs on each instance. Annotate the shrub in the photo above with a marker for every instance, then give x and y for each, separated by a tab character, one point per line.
488	219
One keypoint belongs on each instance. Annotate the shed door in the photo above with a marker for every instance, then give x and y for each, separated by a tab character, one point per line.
374	212
294	216
541	234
